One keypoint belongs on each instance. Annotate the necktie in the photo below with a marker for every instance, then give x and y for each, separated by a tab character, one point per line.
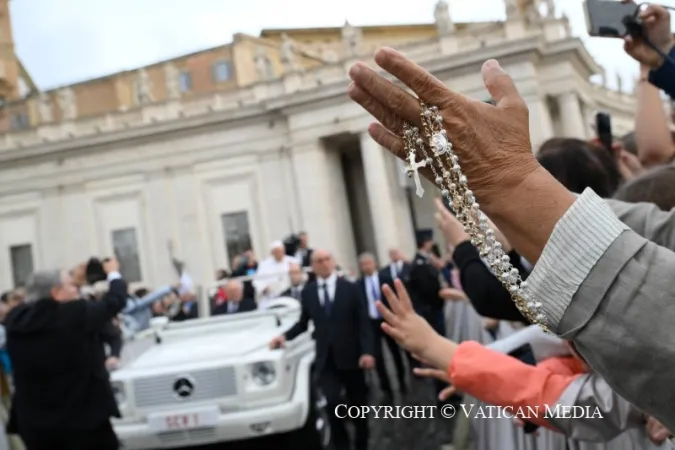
296	293
397	271
327	304
375	295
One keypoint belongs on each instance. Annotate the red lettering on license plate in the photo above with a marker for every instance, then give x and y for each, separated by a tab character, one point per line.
182	421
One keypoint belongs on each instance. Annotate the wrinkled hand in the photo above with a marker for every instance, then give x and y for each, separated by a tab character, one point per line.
111	265
656	431
277	342
411	331
366	362
656	26
450	226
492	142
452	294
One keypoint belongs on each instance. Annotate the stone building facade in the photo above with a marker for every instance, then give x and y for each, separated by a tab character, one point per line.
245	143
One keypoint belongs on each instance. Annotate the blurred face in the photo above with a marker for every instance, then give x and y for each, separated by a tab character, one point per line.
79	274
66	291
278	253
323	264
158	307
395	255
295	272
234	291
303	240
367	265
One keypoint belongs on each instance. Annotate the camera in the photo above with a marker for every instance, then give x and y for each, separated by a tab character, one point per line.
94	271
291	244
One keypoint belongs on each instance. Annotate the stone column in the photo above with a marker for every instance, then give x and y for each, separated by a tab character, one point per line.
570	115
380	199
541	125
322	212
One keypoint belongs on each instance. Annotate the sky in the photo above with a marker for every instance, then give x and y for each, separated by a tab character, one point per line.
65	41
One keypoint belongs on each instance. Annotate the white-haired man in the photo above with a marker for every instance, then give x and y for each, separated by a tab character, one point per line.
63	398
272	276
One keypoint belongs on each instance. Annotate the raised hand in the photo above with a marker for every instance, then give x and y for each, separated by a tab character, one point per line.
452	229
411	331
656	25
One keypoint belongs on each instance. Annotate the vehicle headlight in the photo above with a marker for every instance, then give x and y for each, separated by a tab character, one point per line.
119	392
263	373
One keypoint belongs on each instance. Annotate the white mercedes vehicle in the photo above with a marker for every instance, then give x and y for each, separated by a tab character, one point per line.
215	380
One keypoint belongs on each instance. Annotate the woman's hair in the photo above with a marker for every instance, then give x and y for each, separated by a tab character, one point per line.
579	165
655	186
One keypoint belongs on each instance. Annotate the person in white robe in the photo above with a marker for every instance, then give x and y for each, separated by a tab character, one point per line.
272	277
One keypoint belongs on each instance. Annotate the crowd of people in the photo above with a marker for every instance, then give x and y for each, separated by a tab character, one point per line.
587	237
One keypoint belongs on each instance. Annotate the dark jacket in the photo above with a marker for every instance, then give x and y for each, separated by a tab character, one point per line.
61	382
424	286
345	335
485	292
664	77
245	305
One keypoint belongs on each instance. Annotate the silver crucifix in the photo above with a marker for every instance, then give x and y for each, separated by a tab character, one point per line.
411	169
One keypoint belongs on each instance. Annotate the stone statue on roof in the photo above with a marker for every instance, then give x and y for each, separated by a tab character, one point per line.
171	78
288	53
44	106
143	87
352	38
444	23
67	103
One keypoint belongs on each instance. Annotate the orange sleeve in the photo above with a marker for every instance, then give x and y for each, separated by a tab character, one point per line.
500	380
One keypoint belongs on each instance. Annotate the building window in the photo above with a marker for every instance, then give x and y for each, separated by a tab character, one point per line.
125	246
20	121
236	232
22	263
222	71
185	81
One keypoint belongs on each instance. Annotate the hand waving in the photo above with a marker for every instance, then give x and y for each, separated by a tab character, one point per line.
411	331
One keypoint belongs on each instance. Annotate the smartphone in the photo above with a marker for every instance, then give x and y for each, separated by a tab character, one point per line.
525	354
603	128
607	18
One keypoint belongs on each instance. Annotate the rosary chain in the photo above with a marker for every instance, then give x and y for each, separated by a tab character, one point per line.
453	183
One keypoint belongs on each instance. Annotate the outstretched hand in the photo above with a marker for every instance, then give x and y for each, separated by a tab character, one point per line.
411	331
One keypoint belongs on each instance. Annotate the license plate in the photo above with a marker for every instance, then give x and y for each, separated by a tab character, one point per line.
184	420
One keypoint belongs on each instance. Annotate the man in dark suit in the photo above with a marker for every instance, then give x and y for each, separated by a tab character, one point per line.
297	277
63	397
397	268
236	302
304	254
371	286
344	343
424	286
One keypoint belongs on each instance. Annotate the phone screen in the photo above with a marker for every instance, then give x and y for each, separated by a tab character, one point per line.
603	127
605	17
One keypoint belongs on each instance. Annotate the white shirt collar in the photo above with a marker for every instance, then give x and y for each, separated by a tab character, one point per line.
328	281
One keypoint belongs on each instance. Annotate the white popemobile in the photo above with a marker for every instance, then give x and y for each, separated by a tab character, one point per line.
215	380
